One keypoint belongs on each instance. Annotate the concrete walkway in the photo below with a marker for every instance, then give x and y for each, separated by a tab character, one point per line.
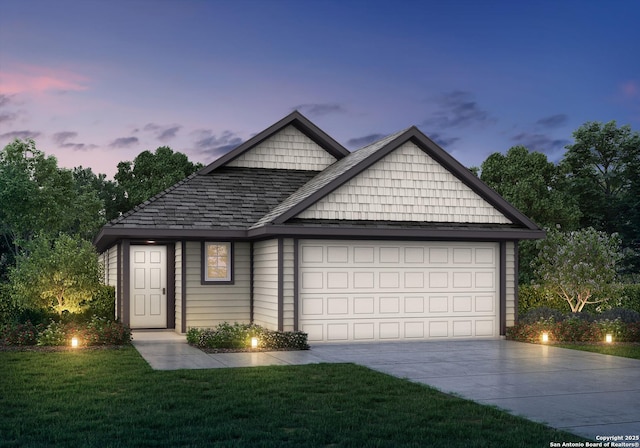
584	393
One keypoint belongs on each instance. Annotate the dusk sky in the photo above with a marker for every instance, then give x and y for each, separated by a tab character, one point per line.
97	82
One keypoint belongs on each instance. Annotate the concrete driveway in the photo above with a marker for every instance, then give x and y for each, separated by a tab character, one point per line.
584	393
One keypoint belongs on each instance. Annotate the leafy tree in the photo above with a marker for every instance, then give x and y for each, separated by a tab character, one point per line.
150	173
537	188
578	266
533	185
110	193
604	169
61	274
37	197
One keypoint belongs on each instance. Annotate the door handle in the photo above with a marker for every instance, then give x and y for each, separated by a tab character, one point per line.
164	291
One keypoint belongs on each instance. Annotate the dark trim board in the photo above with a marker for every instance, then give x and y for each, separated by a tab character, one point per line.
516	271
251	282
126	282
296	284
171	286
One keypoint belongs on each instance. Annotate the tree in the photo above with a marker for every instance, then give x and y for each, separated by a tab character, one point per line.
60	274
537	188
578	266
603	166
37	197
110	193
150	173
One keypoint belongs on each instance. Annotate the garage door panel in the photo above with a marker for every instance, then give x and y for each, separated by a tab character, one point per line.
384	291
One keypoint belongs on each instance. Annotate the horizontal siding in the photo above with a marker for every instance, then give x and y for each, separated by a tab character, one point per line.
210	305
406	185
289	149
265	284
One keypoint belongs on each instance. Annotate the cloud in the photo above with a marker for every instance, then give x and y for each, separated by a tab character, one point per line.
457	109
8	117
208	143
5	100
359	142
541	143
441	140
630	89
23	135
124	142
163	133
319	109
61	139
552	121
32	78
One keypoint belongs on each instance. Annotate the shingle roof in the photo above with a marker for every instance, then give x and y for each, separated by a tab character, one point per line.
229	198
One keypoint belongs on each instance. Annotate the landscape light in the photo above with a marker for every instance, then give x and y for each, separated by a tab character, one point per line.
254	342
545	337
608	338
74	342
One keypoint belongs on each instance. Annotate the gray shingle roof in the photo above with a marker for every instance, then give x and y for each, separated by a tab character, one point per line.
229	198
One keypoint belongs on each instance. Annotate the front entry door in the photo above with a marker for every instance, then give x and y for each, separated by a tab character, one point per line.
148	287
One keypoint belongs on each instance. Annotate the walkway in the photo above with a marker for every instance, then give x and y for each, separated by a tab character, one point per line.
584	393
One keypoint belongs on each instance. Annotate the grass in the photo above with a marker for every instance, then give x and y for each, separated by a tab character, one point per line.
624	350
111	398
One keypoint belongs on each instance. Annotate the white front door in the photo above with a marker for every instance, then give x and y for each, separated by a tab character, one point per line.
148	287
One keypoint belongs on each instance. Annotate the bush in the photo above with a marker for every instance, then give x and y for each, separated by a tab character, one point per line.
531	297
623	314
20	334
238	336
542	313
103	302
630	297
577	330
98	331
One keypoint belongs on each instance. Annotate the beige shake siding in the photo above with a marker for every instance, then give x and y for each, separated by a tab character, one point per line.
109	260
406	185
288	149
265	283
210	305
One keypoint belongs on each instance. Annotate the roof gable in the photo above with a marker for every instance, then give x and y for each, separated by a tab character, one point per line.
440	188
292	143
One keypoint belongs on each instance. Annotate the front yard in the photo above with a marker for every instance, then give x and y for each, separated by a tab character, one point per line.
111	398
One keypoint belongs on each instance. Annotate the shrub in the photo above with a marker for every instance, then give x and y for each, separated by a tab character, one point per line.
98	331
630	297
623	314
577	330
238	336
531	297
19	334
542	313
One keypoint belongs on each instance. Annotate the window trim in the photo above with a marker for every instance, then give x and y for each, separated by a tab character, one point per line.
203	264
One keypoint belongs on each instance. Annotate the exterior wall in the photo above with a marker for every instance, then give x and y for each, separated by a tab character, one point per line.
210	305
289	149
265	284
178	286
109	260
406	185
511	283
288	312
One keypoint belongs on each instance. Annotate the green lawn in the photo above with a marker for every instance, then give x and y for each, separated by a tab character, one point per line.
625	350
110	398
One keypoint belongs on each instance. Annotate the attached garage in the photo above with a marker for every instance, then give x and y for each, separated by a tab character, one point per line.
368	290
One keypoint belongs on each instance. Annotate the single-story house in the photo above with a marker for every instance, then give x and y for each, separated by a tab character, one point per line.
291	231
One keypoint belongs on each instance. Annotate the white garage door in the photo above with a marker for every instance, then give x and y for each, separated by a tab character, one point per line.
367	291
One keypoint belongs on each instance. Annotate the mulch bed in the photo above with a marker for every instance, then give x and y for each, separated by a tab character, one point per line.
61	348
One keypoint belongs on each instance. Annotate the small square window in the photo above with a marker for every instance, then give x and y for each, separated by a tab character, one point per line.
217	262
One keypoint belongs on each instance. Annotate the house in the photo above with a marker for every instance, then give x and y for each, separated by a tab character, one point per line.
290	230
